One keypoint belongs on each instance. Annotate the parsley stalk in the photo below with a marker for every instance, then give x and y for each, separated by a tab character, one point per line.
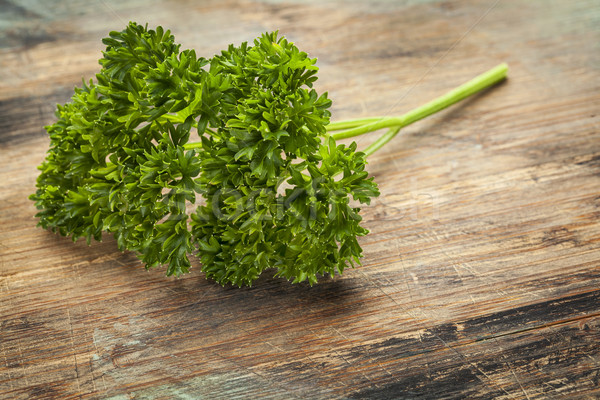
361	126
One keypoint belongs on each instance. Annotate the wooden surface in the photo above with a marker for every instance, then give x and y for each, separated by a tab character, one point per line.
481	272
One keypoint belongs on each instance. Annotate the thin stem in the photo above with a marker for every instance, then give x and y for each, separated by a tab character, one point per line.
473	86
197	145
194	145
350	123
386	137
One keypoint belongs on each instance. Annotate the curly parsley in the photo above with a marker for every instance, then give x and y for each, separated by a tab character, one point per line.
276	187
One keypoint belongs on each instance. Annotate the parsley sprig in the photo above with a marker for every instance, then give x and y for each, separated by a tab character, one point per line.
244	132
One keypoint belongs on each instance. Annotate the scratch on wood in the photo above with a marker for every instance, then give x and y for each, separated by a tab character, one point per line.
72	335
10	381
97	353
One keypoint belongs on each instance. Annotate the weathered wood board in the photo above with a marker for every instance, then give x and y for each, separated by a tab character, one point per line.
481	275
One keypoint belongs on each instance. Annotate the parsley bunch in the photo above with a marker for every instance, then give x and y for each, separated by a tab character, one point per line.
277	190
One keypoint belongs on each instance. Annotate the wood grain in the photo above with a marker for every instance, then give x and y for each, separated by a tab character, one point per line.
482	269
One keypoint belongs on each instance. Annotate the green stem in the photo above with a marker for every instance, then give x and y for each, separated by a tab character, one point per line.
350	123
383	139
194	145
362	126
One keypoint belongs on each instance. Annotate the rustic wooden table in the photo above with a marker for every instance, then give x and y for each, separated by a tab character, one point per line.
481	272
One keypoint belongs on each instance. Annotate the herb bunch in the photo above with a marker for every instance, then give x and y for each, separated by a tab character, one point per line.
244	131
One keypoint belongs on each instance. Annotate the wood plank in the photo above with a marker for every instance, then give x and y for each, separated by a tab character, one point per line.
482	269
